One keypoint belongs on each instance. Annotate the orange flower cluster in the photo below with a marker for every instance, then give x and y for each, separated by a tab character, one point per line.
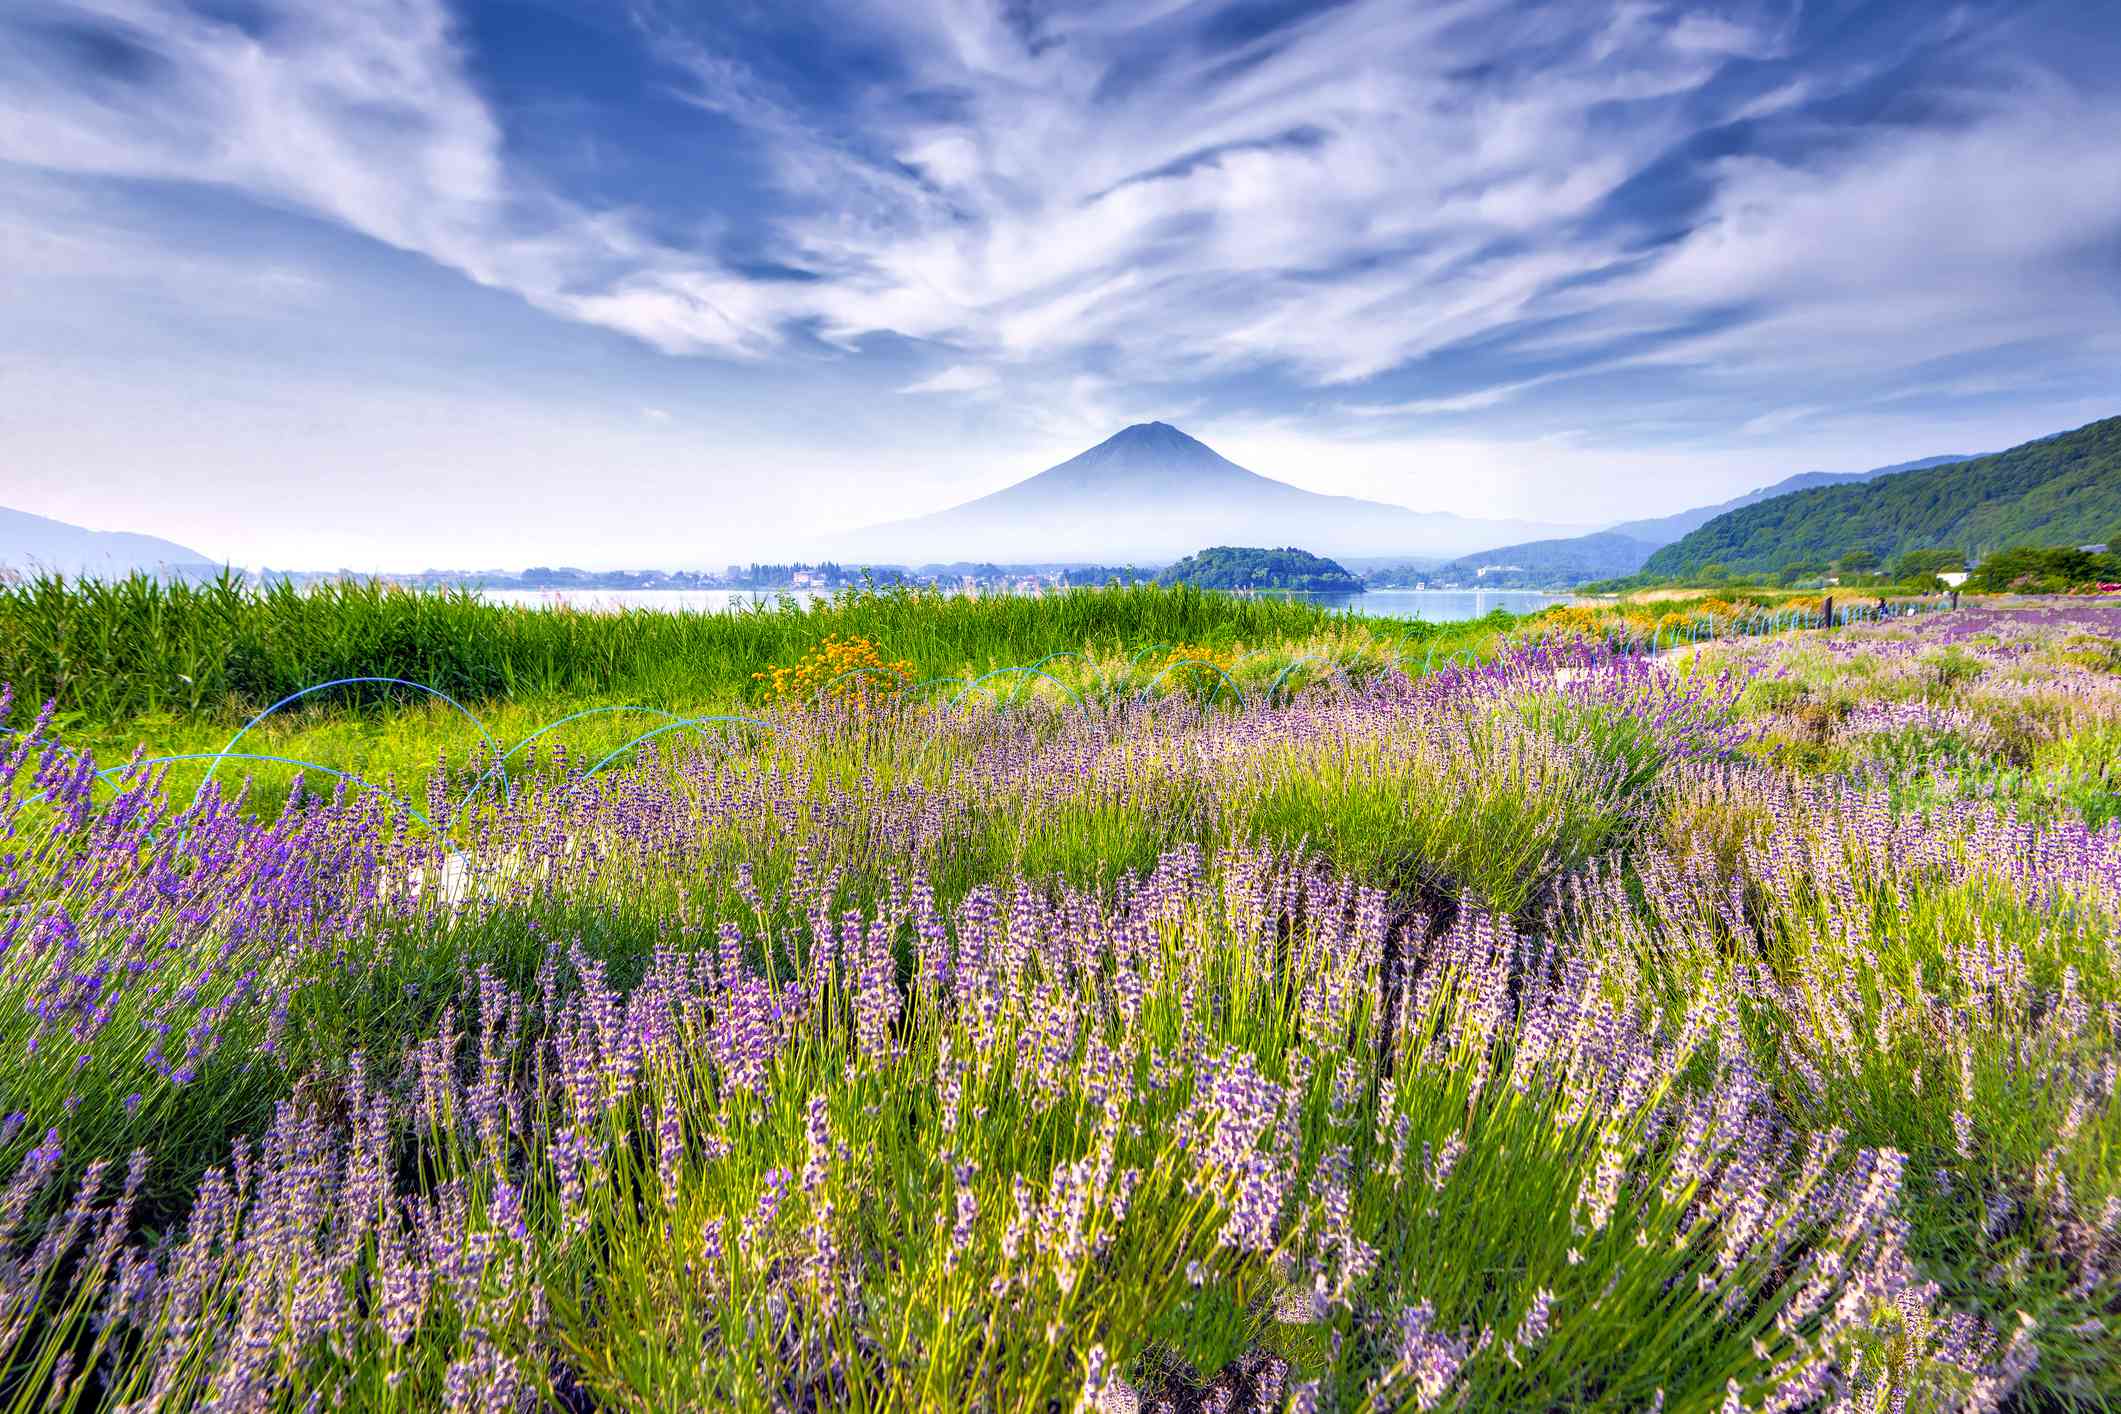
847	669
1643	619
1224	658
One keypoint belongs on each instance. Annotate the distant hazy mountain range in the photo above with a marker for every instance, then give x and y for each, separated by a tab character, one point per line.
30	543
1153	494
1625	548
1603	554
2059	490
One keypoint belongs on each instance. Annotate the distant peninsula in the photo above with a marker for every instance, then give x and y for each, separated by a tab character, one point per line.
1239	567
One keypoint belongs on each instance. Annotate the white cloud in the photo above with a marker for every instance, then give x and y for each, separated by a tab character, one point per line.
958	378
357	111
1917	246
1775	420
1475	401
1775	100
1362	188
1696	33
360	112
1334	198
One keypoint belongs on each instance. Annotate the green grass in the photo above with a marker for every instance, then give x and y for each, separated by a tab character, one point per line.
176	669
141	648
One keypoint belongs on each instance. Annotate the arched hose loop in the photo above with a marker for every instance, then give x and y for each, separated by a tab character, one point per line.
926	683
1141	653
1224	679
500	767
1283	675
1028	673
231	752
680	725
226	755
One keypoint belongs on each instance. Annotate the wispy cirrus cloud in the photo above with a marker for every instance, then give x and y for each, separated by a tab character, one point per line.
363	113
1178	190
1366	188
1598	230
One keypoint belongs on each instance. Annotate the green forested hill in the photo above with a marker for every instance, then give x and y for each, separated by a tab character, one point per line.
1243	567
2060	490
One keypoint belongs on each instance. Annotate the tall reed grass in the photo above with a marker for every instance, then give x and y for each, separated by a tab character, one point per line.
110	651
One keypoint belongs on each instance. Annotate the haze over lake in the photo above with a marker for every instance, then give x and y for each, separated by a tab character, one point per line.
1435	605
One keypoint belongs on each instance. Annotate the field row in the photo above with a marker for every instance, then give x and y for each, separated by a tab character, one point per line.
1732	1029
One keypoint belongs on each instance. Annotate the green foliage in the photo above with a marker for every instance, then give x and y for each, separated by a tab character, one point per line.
2061	489
1235	567
139	647
2042	569
1927	564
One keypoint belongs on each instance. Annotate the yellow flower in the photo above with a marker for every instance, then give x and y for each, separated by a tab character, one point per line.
849	669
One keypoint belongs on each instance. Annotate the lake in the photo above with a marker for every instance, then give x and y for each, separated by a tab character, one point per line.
1436	605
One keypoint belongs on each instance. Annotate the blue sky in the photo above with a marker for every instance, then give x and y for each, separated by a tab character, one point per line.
396	283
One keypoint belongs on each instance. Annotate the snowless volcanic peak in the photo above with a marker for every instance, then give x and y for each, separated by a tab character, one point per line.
1151	493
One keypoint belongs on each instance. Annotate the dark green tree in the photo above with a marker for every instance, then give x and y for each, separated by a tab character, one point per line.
1927	564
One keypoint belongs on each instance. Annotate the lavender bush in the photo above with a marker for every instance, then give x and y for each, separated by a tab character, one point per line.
1569	1031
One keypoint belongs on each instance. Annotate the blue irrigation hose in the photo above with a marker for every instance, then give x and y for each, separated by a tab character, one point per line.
1280	677
676	726
1055	657
933	682
1140	654
226	755
501	765
230	751
1170	668
1029	673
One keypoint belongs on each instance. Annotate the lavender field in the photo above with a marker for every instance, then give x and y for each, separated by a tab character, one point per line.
1735	1028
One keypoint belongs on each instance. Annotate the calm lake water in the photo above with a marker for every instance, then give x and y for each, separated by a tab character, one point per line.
1437	605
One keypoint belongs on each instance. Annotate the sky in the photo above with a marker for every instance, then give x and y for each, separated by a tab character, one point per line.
394	284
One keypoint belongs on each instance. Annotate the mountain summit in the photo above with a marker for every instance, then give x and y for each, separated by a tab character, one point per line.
1151	494
1151	461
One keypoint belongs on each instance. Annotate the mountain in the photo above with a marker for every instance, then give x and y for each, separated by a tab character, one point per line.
1238	567
30	543
1604	554
1665	529
1150	493
1622	549
2059	490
